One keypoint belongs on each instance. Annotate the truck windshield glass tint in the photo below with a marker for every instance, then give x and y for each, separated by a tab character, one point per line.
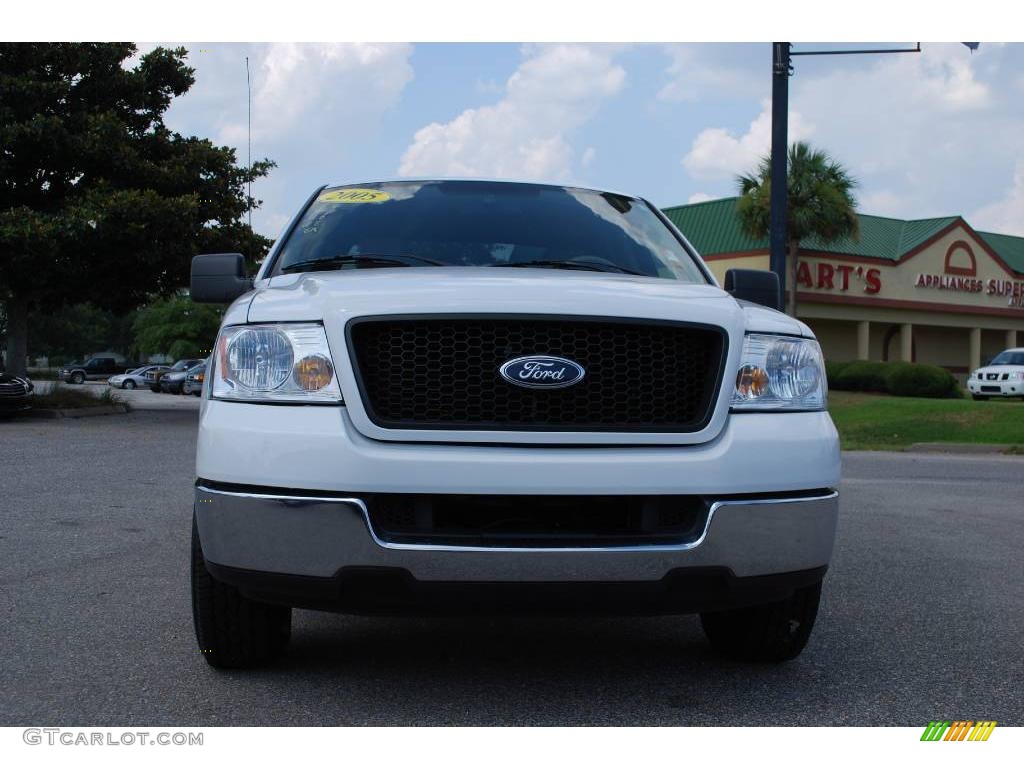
483	224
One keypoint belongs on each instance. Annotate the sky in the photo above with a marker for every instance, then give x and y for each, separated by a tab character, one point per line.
925	134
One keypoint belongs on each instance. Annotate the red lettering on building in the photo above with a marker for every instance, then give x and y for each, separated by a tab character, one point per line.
825	274
803	274
873	278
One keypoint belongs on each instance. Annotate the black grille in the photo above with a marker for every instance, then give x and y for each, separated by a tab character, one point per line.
536	521
443	372
13	389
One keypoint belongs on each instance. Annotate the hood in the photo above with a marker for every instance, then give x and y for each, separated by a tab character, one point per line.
410	290
1000	368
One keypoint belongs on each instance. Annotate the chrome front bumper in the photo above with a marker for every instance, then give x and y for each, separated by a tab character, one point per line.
318	536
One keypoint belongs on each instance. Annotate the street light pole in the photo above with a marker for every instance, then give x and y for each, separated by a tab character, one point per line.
780	143
781	71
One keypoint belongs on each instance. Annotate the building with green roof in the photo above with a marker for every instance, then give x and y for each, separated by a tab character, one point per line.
932	290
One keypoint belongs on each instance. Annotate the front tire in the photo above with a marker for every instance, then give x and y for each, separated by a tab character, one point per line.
771	632
78	378
233	631
186	389
128	384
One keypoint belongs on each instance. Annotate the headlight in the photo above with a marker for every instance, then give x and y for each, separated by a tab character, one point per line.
1016	375
780	373
286	363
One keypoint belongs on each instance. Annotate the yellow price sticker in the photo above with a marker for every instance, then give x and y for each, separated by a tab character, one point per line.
354	196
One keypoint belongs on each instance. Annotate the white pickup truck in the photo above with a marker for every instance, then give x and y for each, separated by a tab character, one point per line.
470	396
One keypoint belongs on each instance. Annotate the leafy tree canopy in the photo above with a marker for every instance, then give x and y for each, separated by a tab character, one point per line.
819	191
177	327
78	330
99	201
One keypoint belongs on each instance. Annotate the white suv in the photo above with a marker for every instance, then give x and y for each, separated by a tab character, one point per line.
1002	377
490	396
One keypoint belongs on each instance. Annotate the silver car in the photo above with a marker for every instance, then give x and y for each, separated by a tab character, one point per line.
135	377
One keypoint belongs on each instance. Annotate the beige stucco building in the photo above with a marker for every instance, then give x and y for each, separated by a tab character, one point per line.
929	290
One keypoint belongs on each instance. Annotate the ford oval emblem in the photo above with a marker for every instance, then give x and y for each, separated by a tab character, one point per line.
542	372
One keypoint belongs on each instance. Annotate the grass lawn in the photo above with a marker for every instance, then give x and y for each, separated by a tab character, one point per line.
881	422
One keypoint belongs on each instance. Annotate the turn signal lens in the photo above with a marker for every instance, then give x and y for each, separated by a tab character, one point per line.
313	372
751	381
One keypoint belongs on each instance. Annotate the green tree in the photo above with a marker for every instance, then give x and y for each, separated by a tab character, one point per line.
99	201
178	327
820	204
73	332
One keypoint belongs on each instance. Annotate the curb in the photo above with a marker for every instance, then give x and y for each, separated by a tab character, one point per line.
968	448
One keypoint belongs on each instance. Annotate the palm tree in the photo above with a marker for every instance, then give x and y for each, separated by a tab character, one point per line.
820	201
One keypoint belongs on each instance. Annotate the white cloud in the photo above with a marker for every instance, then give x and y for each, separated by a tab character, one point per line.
555	90
1005	216
717	153
692	73
921	132
884	202
291	80
700	197
918	130
315	107
587	158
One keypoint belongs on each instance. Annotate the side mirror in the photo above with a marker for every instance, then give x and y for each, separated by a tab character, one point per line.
755	285
219	278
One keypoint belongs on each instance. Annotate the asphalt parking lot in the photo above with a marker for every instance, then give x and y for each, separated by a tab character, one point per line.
922	619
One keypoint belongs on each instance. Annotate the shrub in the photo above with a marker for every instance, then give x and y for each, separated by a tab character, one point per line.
901	379
862	376
832	371
919	380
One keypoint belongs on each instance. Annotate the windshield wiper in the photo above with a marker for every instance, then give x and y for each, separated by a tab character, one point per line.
361	259
592	266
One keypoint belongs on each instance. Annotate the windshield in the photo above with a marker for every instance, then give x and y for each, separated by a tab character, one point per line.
483	224
1008	358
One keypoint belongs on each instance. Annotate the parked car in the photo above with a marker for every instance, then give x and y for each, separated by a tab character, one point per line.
93	369
490	396
173	382
15	394
135	377
1002	377
153	377
193	384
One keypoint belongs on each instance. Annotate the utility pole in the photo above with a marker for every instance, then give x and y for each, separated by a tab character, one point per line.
780	144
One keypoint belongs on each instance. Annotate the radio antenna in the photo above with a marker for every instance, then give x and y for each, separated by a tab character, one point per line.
248	87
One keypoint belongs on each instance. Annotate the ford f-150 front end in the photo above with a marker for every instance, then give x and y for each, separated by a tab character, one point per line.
470	396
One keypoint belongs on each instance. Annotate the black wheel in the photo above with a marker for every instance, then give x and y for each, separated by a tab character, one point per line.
186	389
769	632
979	397
233	631
129	384
155	388
77	378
